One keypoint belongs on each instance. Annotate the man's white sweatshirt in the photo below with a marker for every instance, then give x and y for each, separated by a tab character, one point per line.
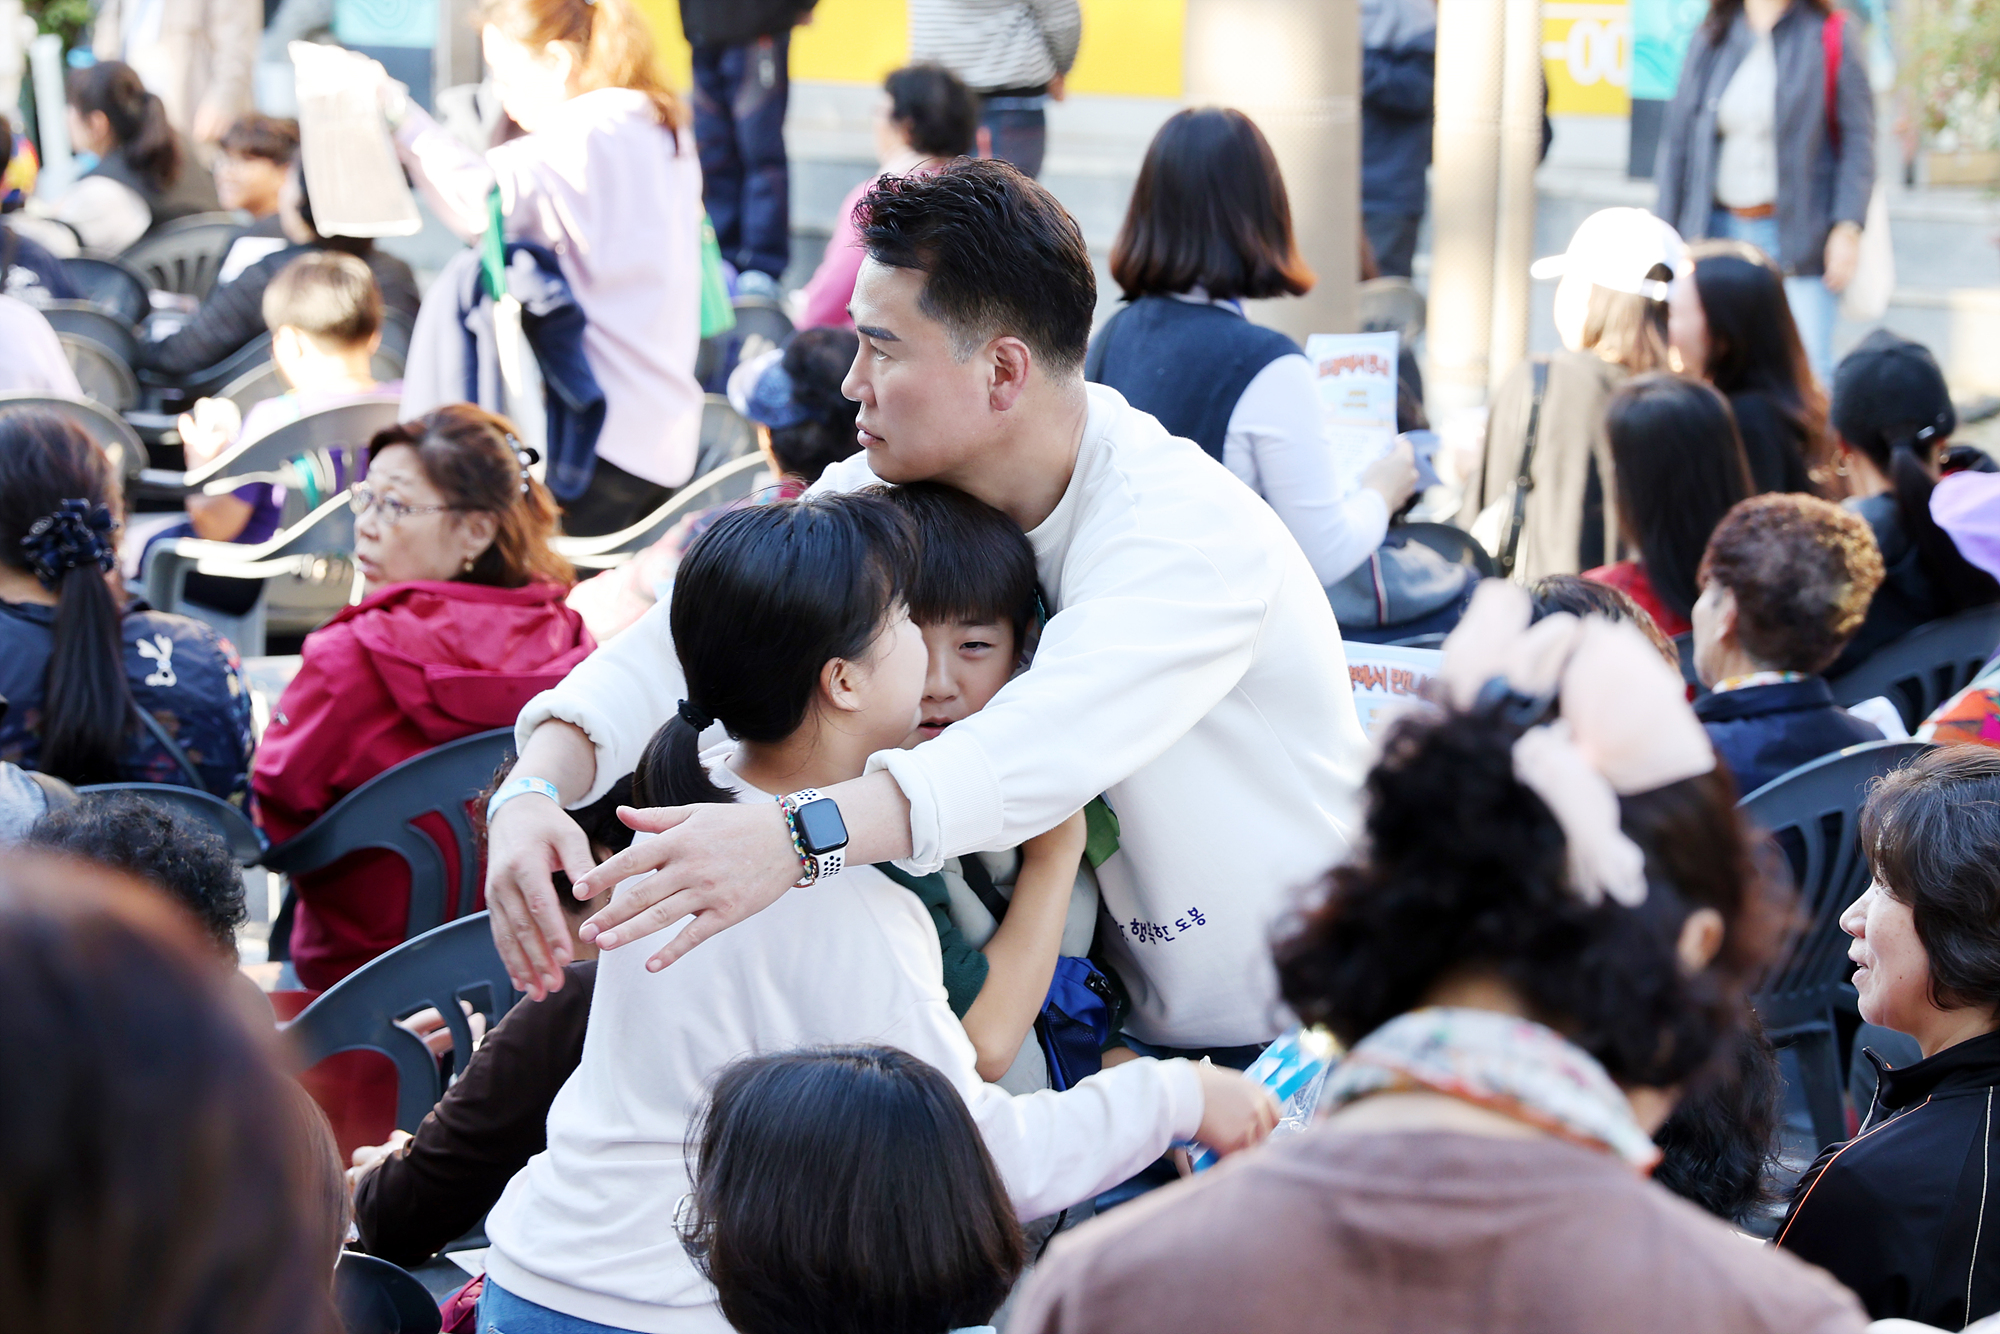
1191	672
587	1227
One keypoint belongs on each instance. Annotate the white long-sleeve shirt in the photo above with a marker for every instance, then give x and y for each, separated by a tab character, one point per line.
609	189
587	1227
1191	672
1276	442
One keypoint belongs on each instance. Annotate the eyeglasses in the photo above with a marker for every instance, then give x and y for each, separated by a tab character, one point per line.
365	497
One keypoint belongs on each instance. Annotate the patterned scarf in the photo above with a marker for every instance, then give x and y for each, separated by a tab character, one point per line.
1501	1062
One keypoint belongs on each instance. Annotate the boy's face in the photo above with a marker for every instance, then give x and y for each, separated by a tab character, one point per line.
969	662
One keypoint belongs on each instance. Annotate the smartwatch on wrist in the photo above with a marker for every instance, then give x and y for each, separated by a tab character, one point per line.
818	832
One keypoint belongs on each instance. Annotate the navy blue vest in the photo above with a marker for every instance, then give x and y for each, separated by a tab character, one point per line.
1185	362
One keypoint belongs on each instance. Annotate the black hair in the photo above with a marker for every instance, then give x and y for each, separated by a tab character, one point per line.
763	600
1890	401
848	1191
254	134
1720	1144
938	113
1680	466
87	706
138	120
157	844
1210	210
1722	13
1753	341
1586	597
973	562
817	360
999	256
1932	833
1466	870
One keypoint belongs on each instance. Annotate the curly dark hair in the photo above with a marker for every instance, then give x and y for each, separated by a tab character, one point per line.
1803	571
1465	872
157	844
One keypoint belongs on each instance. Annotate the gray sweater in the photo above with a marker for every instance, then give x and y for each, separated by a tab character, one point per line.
1817	186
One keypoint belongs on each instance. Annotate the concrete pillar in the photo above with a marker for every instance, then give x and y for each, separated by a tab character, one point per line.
1520	153
1465	187
455	59
1294	67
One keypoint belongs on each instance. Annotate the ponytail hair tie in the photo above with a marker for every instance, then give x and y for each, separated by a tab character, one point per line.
692	715
77	534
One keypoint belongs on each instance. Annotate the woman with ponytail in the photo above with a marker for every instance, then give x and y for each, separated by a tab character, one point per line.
605	177
790	624
1893	415
461	622
146	174
98	689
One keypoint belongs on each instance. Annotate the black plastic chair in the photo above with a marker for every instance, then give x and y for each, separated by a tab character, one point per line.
104	377
1925	667
184	255
111	285
448	964
374	1296
316	439
1454	544
93	321
107	428
760	326
246	842
732	481
1813	815
383	812
726	435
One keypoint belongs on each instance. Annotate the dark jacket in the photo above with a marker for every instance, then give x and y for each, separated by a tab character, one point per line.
1185	362
1772	443
1906	598
1818	185
192	191
482	1131
1397	94
735	22
233	314
454	356
182	673
1897	1212
1762	732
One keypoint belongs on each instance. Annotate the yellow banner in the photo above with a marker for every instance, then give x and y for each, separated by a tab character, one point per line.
1587	56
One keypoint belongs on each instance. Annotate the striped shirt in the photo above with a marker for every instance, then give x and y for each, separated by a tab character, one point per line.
996	44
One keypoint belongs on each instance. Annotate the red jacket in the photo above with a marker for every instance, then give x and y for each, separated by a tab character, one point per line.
412	667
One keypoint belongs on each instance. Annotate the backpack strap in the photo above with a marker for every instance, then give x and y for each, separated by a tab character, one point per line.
980	881
1832	38
1524	480
173	748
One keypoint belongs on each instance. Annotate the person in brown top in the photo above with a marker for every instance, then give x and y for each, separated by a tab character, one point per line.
1547	938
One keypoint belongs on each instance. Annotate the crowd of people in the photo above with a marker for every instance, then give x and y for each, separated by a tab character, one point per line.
911	869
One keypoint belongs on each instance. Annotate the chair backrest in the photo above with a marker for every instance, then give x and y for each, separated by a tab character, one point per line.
726	435
1814	814
760	326
319	438
184	255
307	571
92	321
454	962
1925	667
732	481
1454	544
107	428
101	373
111	285
245	840
209	380
374	1296
255	385
383	814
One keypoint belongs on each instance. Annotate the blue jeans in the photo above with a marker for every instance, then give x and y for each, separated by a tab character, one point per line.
740	94
1017	134
501	1312
1813	307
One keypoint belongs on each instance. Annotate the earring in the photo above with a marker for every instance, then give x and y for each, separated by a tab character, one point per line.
468	565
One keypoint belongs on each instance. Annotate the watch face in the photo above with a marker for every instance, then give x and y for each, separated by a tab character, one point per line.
820	827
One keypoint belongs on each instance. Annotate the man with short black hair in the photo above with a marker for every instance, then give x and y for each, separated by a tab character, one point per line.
1190	671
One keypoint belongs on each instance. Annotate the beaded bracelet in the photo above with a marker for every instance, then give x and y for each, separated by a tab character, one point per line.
809	865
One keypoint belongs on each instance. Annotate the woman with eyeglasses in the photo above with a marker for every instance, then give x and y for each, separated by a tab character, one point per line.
462	622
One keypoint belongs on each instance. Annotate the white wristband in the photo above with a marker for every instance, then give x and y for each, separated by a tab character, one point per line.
521	787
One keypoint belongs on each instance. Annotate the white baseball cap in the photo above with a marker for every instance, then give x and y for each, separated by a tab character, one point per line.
1615	248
